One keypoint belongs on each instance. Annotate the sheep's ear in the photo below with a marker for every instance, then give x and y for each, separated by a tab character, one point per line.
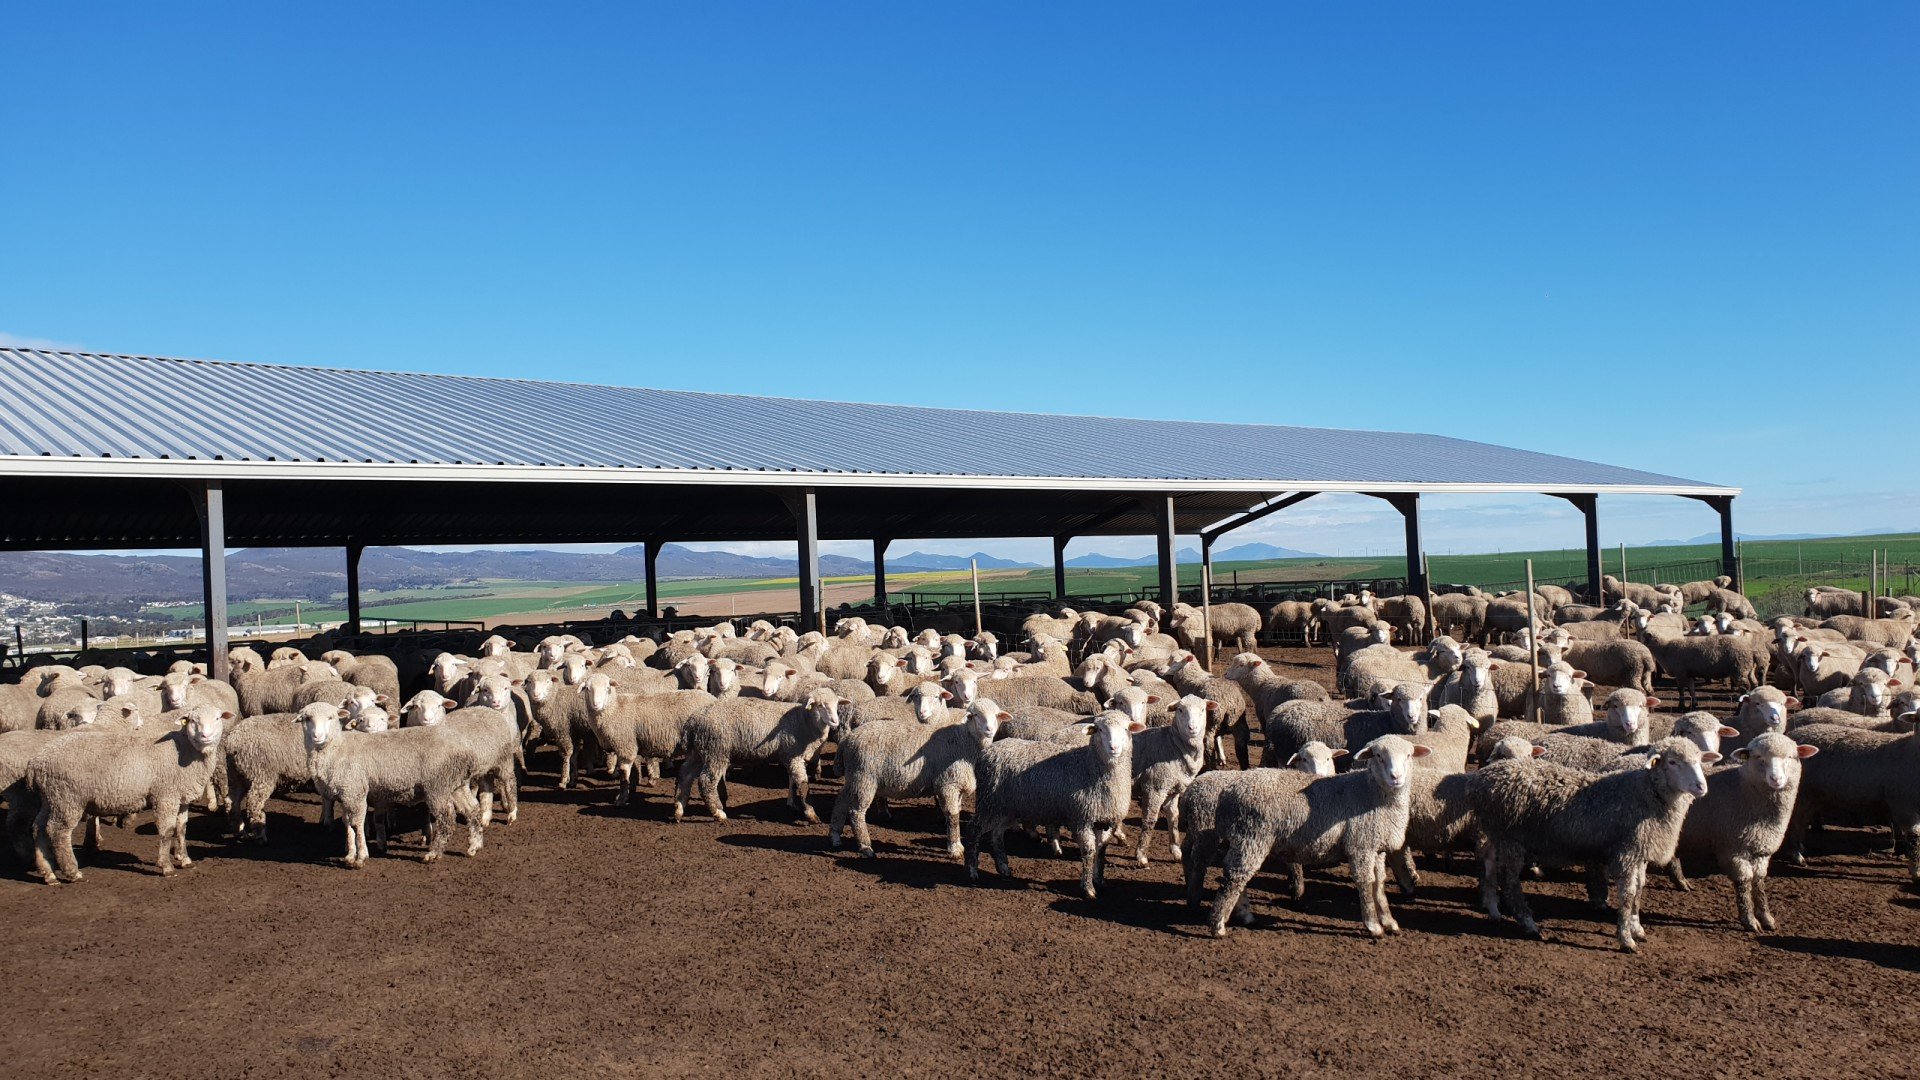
1708	757
1292	761
1653	703
946	695
1493	665
1804	751
341	714
1213	706
900	663
380	700
1729	732
1893	684
1539	751
1365	754
1135	727
518	682
1793	703
1421	750
1579	674
449	703
196	678
1742	754
1154	699
1338	754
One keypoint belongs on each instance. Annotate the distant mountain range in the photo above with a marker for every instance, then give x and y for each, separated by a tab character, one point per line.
1242	553
320	573
1714	537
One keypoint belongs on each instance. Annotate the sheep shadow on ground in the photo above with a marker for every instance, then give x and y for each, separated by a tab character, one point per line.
902	868
1894	956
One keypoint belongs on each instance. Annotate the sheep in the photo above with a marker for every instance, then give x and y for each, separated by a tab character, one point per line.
1826	603
924	704
111	771
1613	663
185	689
1297	723
639	731
1563	699
1822	666
1462	614
1893	633
1763	711
1613	588
378	770
1380	668
1041	690
1438	812
1264	687
1188	676
1471	688
1863	772
1352	640
488	726
1165	761
560	717
1334	619
1357	817
1231	625
1689	660
1742	820
263	754
1730	601
742	729
378	673
272	690
902	759
1289	619
1406	613
1508	614
18	747
1619	821
1556	596
1867	695
1085	789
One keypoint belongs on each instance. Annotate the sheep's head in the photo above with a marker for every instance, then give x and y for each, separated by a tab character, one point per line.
1315	759
372	721
320	724
894	638
1389	760
363	699
1244	664
1872	687
425	709
1111	735
598	692
983	721
1381	633
965	686
929	702
447	669
824	707
1678	766
495	692
1131	701
1407	704
1767	707
1514	748
542	685
1772	761
691	672
204	724
495	645
723	677
176	687
1627	712
1704	730
1446	652
1190	715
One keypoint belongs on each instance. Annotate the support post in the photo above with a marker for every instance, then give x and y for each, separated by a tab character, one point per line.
353	588
1060	567
653	545
1533	651
1729	558
1409	506
1206	598
806	522
1163	535
211	505
979	621
1589	507
880	574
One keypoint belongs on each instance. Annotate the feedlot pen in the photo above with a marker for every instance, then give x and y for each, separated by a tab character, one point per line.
586	937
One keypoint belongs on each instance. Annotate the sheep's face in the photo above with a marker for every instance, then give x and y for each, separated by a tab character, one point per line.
362	698
1111	737
965	686
549	653
824	707
1628	719
881	668
494	692
1408	706
691	672
541	686
1190	719
204	724
174	690
895	638
1315	759
1381	633
1244	664
1447	651
372	721
117	682
1724	622
1560	680
929	702
1679	764
447	669
776	677
1772	762
1514	748
495	646
319	725
1132	702
723	678
983	722
598	692
424	709
1389	760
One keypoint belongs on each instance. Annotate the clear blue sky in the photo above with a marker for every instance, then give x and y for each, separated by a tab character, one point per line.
1678	237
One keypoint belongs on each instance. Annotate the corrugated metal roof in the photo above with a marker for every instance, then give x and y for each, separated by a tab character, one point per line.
107	409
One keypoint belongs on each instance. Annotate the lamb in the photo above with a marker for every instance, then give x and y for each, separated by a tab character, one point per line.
1235	625
378	770
640	731
1862	772
1084	789
1472	687
742	729
1690	660
1742	820
1823	666
903	759
1613	663
1563	700
1826	603
1298	723
1165	761
1763	711
560	716
1264	687
263	754
18	747
111	772
1189	676
1357	817
488	730
1335	619
1555	596
1620	821
1438	811
1868	694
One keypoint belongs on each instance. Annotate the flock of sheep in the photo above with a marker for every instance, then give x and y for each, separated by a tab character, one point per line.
1100	713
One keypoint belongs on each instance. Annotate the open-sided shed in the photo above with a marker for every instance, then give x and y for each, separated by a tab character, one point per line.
113	451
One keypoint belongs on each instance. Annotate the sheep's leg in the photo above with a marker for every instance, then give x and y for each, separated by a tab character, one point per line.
1366	884
180	858
999	841
567	774
1380	893
254	810
1629	902
1741	873
484	800
353	811
949	808
683	791
1193	866
1678	875
1296	881
1173	821
20	826
1149	816
60	831
440	811
713	793
1906	826
509	782
1763	910
1405	873
1229	901
475	832
970	851
797	791
1512	867
92	841
1090	849
1242	741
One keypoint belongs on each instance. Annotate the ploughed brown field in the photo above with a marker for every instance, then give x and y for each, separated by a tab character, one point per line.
586	939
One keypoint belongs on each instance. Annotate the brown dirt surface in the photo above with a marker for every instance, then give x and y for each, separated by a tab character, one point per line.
589	939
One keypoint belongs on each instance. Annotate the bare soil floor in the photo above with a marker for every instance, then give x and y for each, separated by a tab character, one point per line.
586	939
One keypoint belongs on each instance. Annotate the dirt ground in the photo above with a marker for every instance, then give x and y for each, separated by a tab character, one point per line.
589	939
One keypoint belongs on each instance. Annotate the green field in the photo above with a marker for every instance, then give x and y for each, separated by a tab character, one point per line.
1775	571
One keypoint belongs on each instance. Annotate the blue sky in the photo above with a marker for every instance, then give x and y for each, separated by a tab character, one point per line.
1676	237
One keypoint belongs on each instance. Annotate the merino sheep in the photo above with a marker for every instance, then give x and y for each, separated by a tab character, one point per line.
488	728
1084	789
1264	687
1165	761
379	770
1439	813
639	731
108	772
1620	821
743	729
1861	772
1232	625
902	759
1357	817
1742	820
1691	660
1613	663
